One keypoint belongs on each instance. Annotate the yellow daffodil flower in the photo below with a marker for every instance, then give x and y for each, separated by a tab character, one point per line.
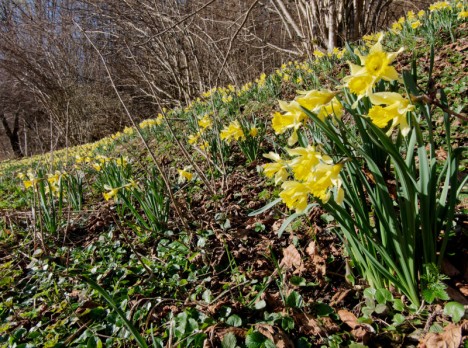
303	165
205	122
295	195
232	132
193	138
313	99
184	175
376	66
377	63
292	119
128	130
318	54
326	177
323	103
416	24
279	169
396	108
253	132
111	192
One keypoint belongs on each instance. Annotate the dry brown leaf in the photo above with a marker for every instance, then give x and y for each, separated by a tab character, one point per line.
463	288
273	301
328	325
362	333
292	258
348	318
339	297
308	325
455	295
235	330
311	249
276	335
451	337
320	267
277	225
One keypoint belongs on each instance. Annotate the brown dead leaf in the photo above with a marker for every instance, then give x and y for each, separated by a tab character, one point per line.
441	154
311	249
451	337
320	268
328	325
276	225
363	333
339	297
308	325
273	301
348	318
455	295
292	258
463	288
235	330
276	335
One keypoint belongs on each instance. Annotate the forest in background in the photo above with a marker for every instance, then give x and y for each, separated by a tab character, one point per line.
55	90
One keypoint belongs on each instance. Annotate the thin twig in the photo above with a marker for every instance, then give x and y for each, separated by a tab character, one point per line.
183	19
233	38
127	112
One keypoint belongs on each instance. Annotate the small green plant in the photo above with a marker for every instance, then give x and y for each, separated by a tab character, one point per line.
73	184
148	203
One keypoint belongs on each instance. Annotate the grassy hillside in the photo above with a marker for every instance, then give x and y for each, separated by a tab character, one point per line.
180	232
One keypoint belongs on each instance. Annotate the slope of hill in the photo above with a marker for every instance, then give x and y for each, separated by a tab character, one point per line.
174	234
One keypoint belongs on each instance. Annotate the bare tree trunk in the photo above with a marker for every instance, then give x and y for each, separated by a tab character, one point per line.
357	19
13	134
331	25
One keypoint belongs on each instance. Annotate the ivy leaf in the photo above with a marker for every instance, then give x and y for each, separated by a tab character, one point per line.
383	296
298	281
398	305
256	340
380	308
294	300
234	320
454	310
398	319
229	341
323	310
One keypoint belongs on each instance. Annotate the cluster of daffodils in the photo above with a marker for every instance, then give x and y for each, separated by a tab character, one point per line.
324	103
31	180
336	52
204	124
152	122
412	20
313	172
99	161
309	172
438	6
235	131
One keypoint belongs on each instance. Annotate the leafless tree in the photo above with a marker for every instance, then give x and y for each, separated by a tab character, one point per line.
160	53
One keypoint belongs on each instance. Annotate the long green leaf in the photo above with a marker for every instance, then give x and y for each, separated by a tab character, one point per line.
140	340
